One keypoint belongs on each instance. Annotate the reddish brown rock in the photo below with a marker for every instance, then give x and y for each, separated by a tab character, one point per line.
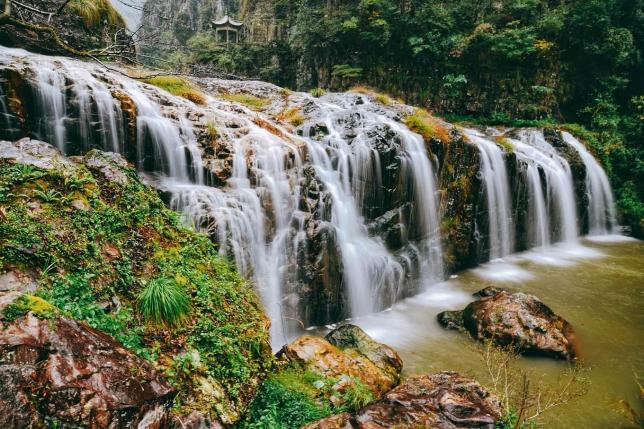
516	320
63	370
354	354
445	400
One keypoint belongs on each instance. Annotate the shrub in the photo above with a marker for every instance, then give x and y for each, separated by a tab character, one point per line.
164	302
293	116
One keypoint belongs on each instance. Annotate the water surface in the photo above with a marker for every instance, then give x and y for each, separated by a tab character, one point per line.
597	285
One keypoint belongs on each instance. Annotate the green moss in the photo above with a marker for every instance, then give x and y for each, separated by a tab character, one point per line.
178	86
255	103
505	144
29	303
318	92
94	262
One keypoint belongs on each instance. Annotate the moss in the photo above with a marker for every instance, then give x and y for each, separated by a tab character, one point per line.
379	97
124	239
505	144
251	101
29	303
178	86
318	92
423	123
293	116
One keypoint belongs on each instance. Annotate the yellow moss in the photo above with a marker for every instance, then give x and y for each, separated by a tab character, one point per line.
178	86
255	103
379	97
423	123
505	144
293	116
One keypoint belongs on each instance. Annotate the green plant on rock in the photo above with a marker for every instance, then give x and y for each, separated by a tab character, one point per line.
29	303
93	12
318	92
249	100
164	302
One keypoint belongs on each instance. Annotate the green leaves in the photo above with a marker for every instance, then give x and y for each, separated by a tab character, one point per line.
164	302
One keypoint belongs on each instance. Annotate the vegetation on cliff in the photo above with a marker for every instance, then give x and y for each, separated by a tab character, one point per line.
103	248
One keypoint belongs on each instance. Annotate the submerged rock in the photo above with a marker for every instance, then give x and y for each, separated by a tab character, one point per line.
78	376
347	351
517	320
444	400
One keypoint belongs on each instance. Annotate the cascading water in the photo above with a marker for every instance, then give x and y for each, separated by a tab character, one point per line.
556	212
601	210
346	211
499	201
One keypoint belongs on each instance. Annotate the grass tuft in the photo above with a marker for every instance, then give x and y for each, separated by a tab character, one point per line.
293	116
318	92
164	302
178	86
423	123
248	100
94	12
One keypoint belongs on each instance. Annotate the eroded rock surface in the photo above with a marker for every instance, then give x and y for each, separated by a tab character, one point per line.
445	400
62	370
518	320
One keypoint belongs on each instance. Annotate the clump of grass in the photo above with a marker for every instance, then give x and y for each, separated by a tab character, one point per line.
423	123
293	116
318	92
248	100
164	302
93	12
505	144
378	96
177	86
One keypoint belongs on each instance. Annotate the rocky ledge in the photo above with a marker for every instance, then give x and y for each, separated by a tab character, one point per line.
515	320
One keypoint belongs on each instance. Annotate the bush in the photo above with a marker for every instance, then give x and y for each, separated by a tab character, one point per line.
177	86
164	302
423	123
255	103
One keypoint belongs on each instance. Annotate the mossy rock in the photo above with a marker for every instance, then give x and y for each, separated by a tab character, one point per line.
94	236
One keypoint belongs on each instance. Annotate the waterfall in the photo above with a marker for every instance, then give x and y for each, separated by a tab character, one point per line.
557	209
499	202
601	210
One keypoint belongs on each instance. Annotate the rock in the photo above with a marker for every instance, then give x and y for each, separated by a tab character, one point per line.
64	370
445	400
109	165
383	356
35	153
518	320
349	351
16	280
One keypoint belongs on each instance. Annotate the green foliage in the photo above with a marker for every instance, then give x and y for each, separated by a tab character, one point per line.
164	302
423	123
294	397
28	303
94	263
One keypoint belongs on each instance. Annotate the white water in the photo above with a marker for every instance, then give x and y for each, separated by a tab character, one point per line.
257	217
497	189
601	209
560	211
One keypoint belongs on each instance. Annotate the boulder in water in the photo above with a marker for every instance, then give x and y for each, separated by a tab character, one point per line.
516	320
443	400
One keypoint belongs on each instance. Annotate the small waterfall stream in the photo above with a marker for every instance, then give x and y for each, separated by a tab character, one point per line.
337	218
497	189
601	211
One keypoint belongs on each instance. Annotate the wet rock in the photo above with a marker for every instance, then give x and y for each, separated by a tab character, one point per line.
15	280
108	165
444	400
64	370
347	351
516	320
35	153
